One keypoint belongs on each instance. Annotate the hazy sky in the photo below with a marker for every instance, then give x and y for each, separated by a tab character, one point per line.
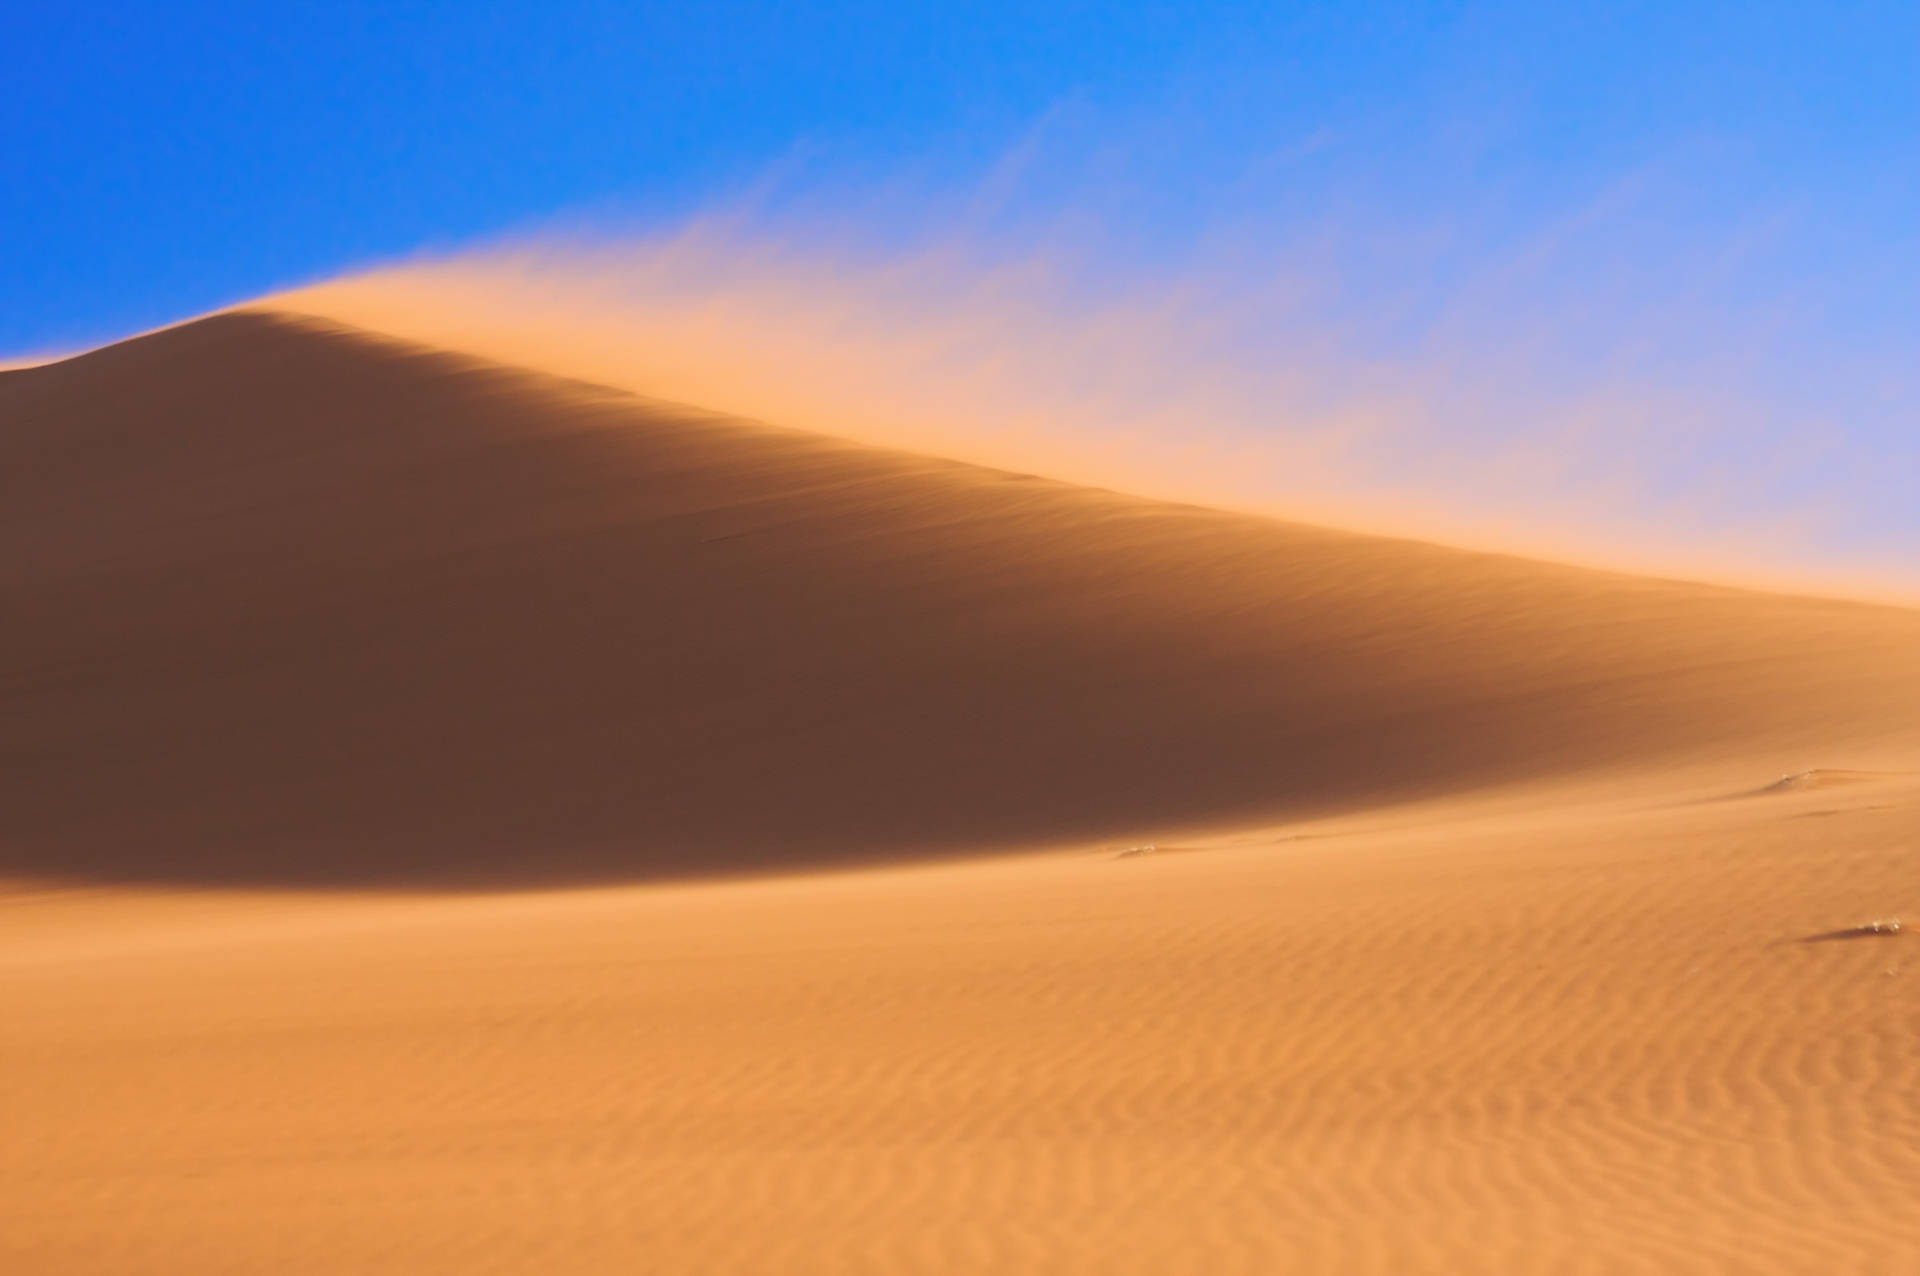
1698	221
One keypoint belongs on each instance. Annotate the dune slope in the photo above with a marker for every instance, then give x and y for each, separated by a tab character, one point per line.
1515	918
293	604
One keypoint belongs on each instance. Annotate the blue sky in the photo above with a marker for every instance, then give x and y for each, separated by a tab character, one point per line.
1710	203
165	158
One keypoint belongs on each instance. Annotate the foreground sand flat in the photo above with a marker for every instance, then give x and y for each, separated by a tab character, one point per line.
1544	1035
455	820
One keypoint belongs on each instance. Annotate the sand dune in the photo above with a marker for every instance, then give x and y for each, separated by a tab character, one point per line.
1482	951
292	605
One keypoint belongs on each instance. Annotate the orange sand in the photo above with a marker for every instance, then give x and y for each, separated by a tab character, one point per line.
798	776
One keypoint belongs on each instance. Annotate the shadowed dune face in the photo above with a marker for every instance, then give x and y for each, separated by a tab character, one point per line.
288	604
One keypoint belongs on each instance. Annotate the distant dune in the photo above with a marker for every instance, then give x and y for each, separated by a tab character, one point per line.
1526	918
294	604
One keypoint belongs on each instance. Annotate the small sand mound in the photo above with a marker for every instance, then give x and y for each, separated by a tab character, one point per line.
1819	778
1866	930
1154	848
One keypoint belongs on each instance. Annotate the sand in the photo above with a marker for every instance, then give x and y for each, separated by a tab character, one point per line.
460	820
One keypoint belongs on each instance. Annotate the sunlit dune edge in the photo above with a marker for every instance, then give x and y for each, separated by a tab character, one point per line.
1218	388
466	819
